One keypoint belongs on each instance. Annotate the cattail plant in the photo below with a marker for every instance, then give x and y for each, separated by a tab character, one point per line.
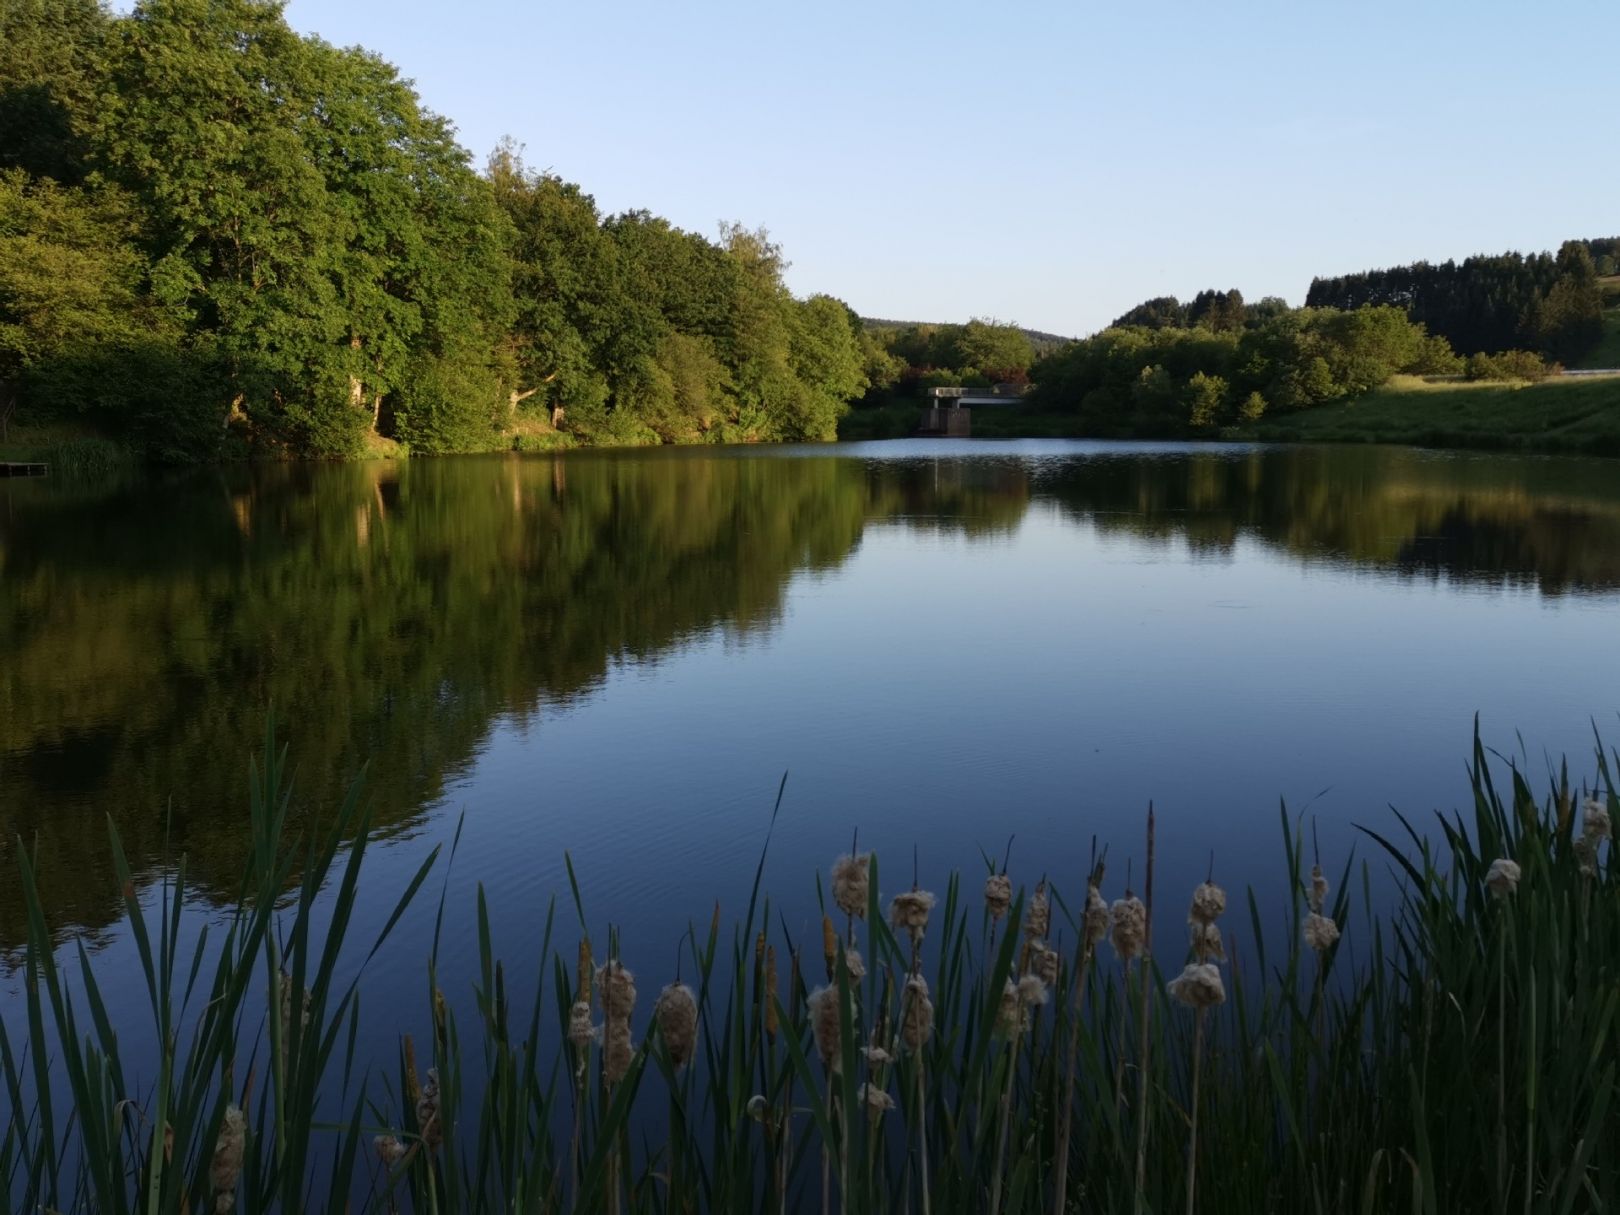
1199	987
850	885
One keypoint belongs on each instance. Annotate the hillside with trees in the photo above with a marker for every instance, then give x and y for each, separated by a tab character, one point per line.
219	237
1549	303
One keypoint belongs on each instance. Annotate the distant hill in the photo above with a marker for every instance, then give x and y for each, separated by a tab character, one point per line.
1038	337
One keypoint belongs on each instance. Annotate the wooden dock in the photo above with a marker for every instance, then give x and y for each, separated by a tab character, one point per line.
24	470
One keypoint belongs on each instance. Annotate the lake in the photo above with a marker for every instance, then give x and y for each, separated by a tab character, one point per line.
943	644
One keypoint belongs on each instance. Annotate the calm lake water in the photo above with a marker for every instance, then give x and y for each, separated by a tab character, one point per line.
943	644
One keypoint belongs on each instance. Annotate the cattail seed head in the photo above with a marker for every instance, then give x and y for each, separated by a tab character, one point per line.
1096	923
1128	929
997	895
427	1112
1198	986
227	1163
1009	1013
909	911
1206	942
917	1017
876	1099
1503	878
849	883
676	1014
829	943
1031	991
1044	962
1586	855
876	1056
581	1033
1595	823
1208	903
1038	917
823	1004
582	989
390	1150
855	965
1319	888
772	1021
618	991
1320	932
619	1052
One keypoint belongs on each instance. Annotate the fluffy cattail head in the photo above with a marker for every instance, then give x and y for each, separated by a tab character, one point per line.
427	1112
1206	941
1038	917
1503	878
581	1033
1096	924
619	1052
1320	932
997	894
1319	888
1208	903
227	1164
1128	927
1595	823
823	1004
849	883
909	911
1009	1013
1198	986
854	965
390	1150
1586	854
876	1099
917	1018
1043	961
876	1055
618	991
676	1014
1017	998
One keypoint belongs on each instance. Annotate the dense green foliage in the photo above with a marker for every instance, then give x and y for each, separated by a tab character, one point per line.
1168	380
1544	302
1451	1053
218	236
907	359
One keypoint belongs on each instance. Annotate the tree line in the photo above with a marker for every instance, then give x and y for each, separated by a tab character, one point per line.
1543	302
219	236
1171	380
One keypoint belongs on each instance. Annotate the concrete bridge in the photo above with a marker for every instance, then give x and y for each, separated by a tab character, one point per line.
949	411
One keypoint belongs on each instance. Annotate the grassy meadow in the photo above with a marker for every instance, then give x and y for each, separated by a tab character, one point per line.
1009	1046
1575	415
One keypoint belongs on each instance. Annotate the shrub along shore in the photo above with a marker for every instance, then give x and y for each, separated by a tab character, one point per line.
1005	1046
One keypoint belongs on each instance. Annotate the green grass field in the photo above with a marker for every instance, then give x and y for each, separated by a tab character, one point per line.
1559	415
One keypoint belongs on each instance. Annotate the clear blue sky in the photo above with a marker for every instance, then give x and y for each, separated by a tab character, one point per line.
1046	163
